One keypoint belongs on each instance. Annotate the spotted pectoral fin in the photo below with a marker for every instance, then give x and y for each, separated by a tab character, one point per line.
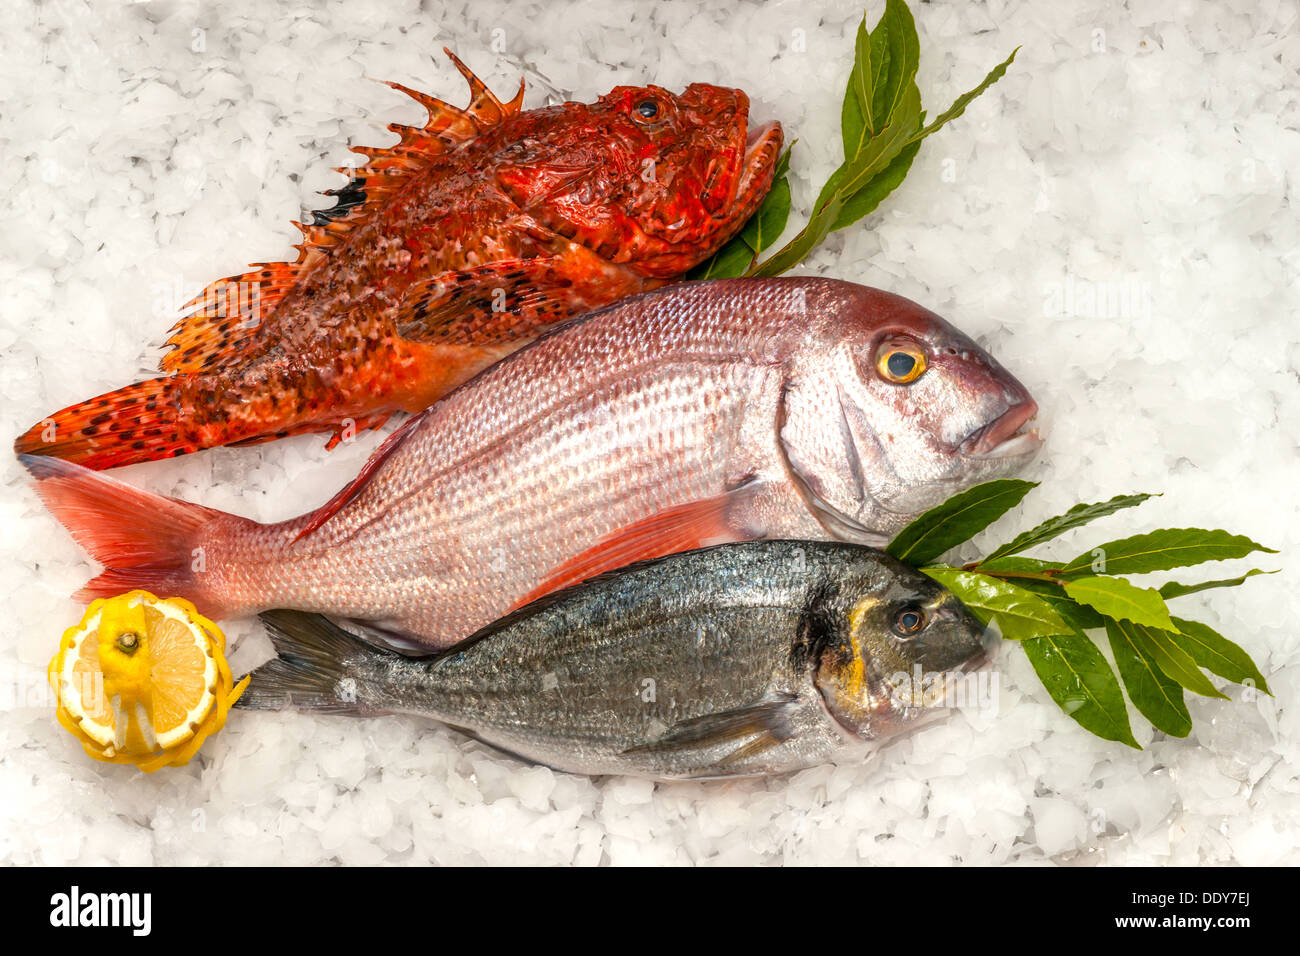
676	529
513	300
754	729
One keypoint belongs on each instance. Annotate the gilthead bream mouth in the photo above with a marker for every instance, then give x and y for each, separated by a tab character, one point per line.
1006	436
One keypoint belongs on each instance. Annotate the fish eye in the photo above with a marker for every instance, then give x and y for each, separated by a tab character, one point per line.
900	361
647	109
909	620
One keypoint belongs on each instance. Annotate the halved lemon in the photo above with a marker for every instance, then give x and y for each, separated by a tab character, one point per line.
143	680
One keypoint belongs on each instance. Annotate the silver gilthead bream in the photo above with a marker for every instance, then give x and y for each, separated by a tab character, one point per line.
735	660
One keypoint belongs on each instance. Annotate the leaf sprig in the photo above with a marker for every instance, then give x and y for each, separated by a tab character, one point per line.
1049	606
882	126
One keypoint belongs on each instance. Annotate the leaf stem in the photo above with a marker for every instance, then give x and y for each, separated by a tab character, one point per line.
1050	576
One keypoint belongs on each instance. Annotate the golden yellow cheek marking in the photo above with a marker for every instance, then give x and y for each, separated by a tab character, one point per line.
858	667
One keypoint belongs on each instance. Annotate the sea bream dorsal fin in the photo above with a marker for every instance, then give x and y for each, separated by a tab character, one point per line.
355	486
219	322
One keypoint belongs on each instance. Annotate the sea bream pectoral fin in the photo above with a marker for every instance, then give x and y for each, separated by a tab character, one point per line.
679	528
760	726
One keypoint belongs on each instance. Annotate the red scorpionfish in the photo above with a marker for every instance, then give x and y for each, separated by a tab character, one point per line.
445	252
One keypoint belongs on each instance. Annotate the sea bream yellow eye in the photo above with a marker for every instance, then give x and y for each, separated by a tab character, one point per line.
900	361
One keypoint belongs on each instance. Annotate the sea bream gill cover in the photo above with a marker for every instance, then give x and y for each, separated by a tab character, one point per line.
445	252
710	411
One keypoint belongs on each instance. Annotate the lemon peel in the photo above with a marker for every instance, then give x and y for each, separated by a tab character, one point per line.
143	680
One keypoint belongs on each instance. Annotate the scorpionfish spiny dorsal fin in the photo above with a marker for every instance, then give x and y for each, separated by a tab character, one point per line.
218	322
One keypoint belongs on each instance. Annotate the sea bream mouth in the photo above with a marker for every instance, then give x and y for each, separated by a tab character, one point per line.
1010	435
889	716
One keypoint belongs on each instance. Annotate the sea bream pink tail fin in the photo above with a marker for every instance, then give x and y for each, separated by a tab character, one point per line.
143	540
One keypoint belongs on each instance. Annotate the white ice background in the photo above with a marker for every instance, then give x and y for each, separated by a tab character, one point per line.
1150	149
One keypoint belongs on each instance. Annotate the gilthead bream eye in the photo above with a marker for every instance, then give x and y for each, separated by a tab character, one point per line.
909	621
647	109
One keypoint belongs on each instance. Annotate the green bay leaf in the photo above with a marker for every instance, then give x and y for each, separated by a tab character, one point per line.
877	152
1173	589
1158	644
900	48
1079	616
959	105
1157	696
958	519
766	225
855	113
1075	517
1077	677
885	61
881	126
1017	564
865	200
875	156
729	262
1117	598
1164	549
1218	655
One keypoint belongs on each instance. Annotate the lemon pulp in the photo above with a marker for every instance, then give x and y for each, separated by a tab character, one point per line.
143	680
